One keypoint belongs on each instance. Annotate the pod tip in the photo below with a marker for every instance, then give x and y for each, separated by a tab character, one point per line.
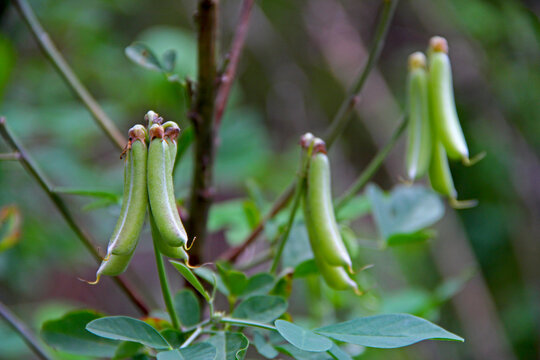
156	131
91	282
417	60
137	132
306	139
478	157
438	44
152	117
463	204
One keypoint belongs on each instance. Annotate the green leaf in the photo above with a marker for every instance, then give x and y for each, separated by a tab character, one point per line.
95	193
199	351
128	329
264	347
212	278
10	227
187	307
298	354
230	217
303	339
68	334
386	331
262	308
283	285
252	213
297	249
408	209
230	346
174	337
141	55
338	354
190	277
355	208
235	281
410	238
169	60
306	268
259	284
127	349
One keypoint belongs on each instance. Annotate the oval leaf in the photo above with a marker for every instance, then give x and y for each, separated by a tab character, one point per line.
190	277
141	55
187	307
200	351
263	308
230	346
303	339
69	334
128	329
386	331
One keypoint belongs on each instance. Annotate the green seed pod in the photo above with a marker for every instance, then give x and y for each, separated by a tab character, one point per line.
319	211
129	225
175	252
419	135
172	131
440	176
161	190
114	265
443	106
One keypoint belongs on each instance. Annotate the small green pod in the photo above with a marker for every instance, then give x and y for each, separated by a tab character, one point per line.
130	222
440	176
419	134
443	106
175	252
172	131
161	190
319	212
114	265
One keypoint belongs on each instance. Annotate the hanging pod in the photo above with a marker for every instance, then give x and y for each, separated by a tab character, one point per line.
419	134
161	190
443	106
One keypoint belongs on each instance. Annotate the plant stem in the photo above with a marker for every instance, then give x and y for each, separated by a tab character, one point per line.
299	190
192	337
342	117
60	64
14	156
372	167
244	322
29	164
165	289
25	333
202	116
336	126
227	78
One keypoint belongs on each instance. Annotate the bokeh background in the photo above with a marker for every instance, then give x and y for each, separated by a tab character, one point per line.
299	60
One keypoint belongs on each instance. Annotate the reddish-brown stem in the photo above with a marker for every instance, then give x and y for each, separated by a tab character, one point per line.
227	78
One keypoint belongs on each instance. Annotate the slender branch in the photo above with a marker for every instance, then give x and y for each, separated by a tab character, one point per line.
192	337
45	185
372	167
228	76
336	126
245	322
60	64
342	117
202	116
165	290
14	156
25	333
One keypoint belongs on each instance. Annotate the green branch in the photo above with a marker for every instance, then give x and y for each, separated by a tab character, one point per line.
30	166
60	64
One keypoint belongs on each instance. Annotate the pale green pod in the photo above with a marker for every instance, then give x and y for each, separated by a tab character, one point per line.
171	133
443	106
419	147
440	176
161	190
175	252
112	266
319	213
130	222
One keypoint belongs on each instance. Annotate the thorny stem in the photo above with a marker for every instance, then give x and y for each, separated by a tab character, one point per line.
342	117
372	167
336	126
165	289
60	64
202	116
227	78
45	185
299	190
29	338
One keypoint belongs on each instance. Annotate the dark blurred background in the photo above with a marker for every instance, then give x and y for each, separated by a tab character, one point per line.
299	60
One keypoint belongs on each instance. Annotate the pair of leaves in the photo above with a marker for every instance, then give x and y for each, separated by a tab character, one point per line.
379	331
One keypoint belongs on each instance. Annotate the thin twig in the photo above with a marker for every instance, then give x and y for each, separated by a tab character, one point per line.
227	78
25	333
164	282
372	167
192	337
336	127
14	156
342	117
202	116
246	322
60	64
29	164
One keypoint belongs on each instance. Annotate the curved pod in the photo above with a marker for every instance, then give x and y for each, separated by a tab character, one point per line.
319	213
113	266
419	134
443	106
440	176
175	252
161	190
129	225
